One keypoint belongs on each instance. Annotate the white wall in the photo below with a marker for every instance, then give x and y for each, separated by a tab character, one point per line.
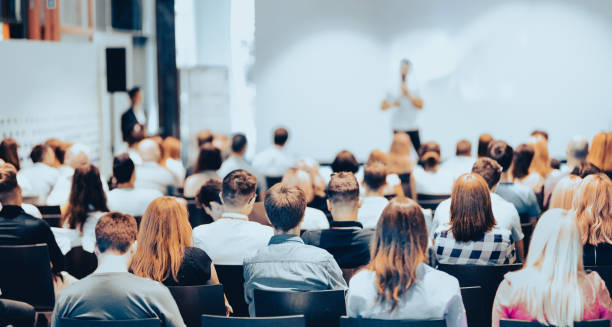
322	68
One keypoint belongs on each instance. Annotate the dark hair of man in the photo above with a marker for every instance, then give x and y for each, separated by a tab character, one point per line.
204	137
239	142
285	206
8	178
345	161
483	144
471	213
539	132
464	148
209	192
238	187
375	175
209	158
555	163
488	169
398	248
132	92
585	169
429	153
123	168
86	195
8	152
343	188
523	155
116	231
501	152
280	136
38	152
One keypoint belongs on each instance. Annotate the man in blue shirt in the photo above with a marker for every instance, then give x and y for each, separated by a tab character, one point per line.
287	264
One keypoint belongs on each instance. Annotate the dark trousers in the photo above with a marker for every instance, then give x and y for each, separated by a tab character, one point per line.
16	313
414	138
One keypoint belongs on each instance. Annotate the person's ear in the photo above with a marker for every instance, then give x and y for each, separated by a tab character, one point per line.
329	205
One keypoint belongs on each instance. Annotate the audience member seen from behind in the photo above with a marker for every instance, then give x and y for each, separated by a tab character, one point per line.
111	292
430	179
236	158
521	196
9	152
576	154
565	191
345	161
172	158
506	216
209	161
287	264
152	175
472	236
397	283
86	204
462	162
59	149
400	163
274	161
314	219
41	176
593	206
601	152
76	156
209	201
20	228
232	237
483	145
126	198
374	201
553	287
521	173
346	239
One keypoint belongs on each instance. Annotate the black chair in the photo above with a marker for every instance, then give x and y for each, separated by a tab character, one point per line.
65	322
605	272
320	308
362	322
16	313
487	277
51	214
405	182
80	263
194	301
527	229
232	279
271	180
26	275
520	323
430	201
197	216
472	301
220	321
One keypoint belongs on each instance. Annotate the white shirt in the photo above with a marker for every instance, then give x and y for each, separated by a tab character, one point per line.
314	219
232	238
41	180
131	201
504	212
273	161
177	169
406	116
434	295
61	190
151	175
438	183
194	183
371	208
69	238
458	165
232	163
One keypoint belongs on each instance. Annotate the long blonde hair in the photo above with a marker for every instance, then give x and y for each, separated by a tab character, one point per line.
564	192
163	236
593	205
548	286
601	151
541	159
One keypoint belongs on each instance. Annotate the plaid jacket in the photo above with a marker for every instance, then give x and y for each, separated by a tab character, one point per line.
494	247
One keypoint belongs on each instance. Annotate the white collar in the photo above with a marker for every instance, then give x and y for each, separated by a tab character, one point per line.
234	215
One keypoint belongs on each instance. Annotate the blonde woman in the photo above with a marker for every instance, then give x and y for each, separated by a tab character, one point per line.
565	190
552	287
593	205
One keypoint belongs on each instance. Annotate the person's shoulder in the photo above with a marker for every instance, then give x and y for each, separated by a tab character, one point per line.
440	278
362	277
257	226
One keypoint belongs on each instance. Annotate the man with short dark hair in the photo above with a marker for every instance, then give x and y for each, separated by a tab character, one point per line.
346	239
287	264
19	228
41	176
504	212
133	120
126	197
236	158
373	202
274	161
521	196
111	292
233	237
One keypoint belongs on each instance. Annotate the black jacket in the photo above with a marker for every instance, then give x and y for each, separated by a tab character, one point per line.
128	121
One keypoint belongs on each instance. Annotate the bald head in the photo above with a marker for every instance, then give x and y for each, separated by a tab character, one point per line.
577	150
149	151
77	156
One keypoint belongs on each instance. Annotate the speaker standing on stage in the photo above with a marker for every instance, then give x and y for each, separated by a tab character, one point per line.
133	120
407	104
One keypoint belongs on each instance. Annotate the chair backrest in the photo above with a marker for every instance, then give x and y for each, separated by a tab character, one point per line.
80	263
66	322
197	216
51	214
220	321
605	272
271	180
232	278
472	301
520	323
363	322
320	308
26	275
194	301
431	201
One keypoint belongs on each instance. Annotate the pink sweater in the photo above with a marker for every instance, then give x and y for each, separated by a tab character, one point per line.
598	302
